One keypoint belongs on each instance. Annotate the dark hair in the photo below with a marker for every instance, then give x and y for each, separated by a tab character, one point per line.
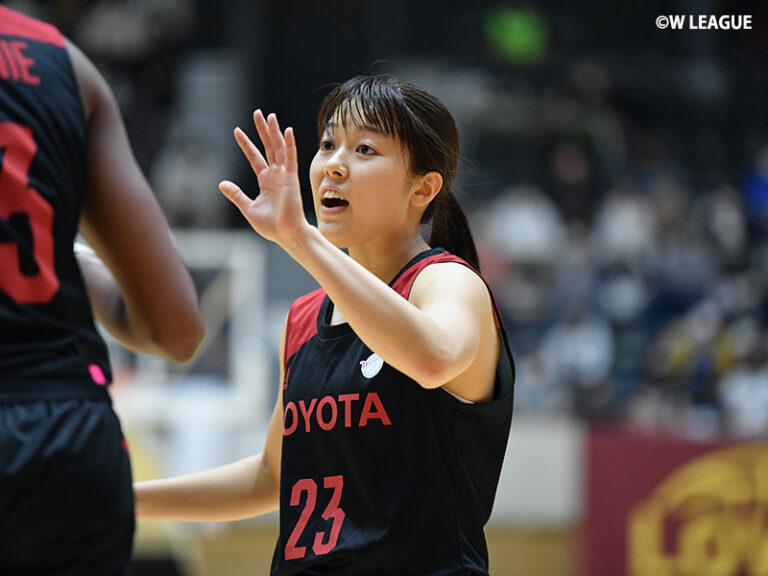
428	133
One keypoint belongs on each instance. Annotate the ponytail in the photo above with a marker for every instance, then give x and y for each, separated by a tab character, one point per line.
450	229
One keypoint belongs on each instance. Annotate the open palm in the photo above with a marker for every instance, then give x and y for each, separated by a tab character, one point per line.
276	213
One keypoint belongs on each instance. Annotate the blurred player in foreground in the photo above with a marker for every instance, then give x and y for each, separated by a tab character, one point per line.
66	504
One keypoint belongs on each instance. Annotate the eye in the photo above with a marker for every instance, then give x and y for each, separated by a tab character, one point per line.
365	150
326	144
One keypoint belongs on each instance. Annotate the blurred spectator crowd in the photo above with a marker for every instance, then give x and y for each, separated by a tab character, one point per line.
637	293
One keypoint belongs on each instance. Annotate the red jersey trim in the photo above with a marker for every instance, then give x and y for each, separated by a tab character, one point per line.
404	283
302	322
15	24
302	317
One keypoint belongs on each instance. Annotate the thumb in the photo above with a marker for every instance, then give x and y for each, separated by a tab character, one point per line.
235	195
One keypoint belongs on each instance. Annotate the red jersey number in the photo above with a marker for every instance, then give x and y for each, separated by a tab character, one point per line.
26	279
332	512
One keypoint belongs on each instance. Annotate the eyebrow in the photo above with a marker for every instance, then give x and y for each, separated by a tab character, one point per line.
367	127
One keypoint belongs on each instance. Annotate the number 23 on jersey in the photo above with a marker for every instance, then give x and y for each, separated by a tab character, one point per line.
321	544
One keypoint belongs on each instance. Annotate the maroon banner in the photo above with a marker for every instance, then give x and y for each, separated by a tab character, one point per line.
659	506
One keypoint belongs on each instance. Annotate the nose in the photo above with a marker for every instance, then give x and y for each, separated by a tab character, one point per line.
335	167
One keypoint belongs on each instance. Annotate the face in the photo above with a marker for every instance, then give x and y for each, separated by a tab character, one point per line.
361	185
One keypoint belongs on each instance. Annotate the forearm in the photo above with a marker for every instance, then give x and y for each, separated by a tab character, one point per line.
121	219
106	301
405	336
111	309
243	489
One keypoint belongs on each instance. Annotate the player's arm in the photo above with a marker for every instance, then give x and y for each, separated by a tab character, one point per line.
144	296
243	489
434	337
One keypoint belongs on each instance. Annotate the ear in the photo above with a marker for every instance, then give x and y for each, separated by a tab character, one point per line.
425	188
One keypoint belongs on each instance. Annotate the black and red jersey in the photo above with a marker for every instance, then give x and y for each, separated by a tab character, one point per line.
380	475
46	324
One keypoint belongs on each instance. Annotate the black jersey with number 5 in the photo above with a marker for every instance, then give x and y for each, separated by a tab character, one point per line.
46	325
380	475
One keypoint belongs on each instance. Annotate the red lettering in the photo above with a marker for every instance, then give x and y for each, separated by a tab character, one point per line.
347	399
11	70
4	73
26	278
14	64
290	407
373	409
326	401
25	63
372	400
332	511
307	412
292	550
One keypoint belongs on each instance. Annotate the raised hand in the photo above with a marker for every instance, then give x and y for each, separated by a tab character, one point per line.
276	213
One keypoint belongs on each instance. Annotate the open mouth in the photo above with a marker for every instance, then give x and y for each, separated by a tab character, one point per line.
333	199
334	202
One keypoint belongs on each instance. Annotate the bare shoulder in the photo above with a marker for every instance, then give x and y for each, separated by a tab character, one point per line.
449	280
93	87
457	298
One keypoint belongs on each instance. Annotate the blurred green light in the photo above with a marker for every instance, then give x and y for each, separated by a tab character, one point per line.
518	35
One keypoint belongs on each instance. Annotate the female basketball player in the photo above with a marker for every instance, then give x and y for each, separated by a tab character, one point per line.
384	450
66	503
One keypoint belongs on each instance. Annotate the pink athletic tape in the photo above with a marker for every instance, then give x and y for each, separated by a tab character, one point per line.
97	375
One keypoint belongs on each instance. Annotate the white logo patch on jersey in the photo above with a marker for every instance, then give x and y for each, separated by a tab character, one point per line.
371	366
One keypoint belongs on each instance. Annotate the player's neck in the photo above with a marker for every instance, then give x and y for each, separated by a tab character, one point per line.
385	260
